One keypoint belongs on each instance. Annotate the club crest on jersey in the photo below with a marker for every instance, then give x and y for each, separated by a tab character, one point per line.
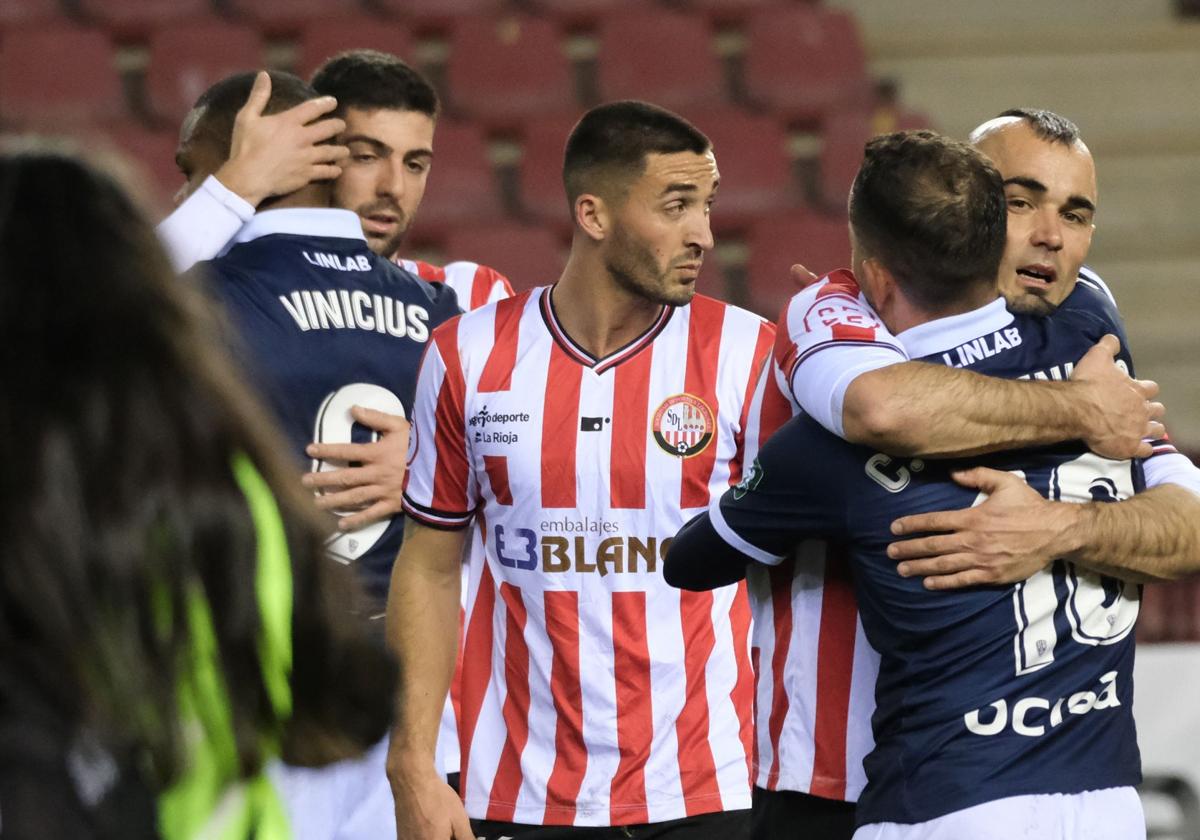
683	425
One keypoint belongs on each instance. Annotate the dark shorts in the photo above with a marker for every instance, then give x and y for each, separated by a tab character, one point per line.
790	815
725	825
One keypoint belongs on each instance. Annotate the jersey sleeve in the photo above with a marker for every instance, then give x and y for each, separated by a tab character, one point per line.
439	488
794	489
203	224
477	285
827	336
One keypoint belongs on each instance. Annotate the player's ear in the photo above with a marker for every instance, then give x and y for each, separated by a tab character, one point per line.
878	284
592	216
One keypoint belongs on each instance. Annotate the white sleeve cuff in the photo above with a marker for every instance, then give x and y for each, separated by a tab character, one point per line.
203	224
1172	468
734	540
819	382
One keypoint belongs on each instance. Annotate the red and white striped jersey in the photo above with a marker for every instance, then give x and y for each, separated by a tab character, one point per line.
593	693
815	671
476	285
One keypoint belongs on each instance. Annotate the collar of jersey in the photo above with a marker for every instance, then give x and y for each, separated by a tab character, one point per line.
945	333
302	221
585	358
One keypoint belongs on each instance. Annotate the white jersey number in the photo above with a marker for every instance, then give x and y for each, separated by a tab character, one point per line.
1100	610
334	425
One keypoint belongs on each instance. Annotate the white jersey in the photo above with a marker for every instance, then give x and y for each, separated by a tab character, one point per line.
816	671
592	692
476	285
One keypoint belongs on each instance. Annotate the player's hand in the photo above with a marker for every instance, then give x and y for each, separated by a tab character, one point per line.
375	489
801	277
280	153
426	807
1118	412
1006	538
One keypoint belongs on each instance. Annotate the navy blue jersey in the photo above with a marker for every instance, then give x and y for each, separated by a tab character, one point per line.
987	692
323	324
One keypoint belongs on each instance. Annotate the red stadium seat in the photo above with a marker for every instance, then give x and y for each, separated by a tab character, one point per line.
502	71
582	13
728	11
667	58
527	256
752	157
26	12
843	136
150	154
288	17
185	60
136	18
324	38
461	186
58	76
803	61
426	15
540	183
775	243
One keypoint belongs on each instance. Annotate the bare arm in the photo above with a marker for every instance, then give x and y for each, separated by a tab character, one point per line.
924	409
422	622
1015	532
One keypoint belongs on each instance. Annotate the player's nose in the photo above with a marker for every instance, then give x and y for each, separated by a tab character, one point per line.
1047	231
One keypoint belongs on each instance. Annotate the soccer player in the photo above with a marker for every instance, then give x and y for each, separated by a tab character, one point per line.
563	435
325	324
812	739
1002	711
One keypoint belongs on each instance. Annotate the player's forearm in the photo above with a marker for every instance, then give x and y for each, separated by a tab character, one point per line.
422	629
923	409
1153	536
699	559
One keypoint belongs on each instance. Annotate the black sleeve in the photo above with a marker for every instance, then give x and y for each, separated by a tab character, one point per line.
699	559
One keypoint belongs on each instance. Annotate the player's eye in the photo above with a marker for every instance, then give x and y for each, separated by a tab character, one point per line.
363	157
1075	218
418	167
1017	202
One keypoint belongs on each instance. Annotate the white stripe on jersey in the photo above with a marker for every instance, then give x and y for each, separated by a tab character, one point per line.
588	682
475	285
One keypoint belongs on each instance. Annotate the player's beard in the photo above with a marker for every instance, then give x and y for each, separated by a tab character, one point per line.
1031	304
631	264
386	247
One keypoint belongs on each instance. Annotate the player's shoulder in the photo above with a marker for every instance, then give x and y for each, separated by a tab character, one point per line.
838	284
476	329
739	318
436	295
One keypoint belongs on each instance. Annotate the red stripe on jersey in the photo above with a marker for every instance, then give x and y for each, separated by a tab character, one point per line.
781	610
560	430
845	332
775	411
432	273
497	473
507	784
570	752
744	694
630	431
635	723
697	769
450	477
766	335
835	656
704	348
839	282
476	668
497	371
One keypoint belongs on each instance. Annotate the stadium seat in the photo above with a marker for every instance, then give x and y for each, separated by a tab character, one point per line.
137	18
578	14
289	17
842	138
821	243
461	186
727	11
803	61
664	57
186	59
437	15
27	12
752	157
326	37
58	76
528	256
540	183
150	154
502	71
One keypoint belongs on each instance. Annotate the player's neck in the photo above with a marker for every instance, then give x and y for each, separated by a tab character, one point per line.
313	195
599	316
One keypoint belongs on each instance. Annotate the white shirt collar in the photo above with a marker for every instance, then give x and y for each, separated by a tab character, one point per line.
943	334
302	221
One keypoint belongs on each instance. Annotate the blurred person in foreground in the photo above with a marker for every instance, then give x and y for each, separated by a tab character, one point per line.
160	566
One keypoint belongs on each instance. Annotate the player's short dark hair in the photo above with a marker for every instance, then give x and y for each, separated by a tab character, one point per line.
217	107
1046	124
932	210
371	80
610	144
